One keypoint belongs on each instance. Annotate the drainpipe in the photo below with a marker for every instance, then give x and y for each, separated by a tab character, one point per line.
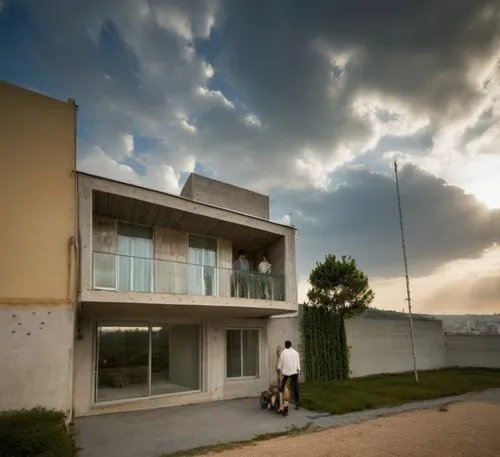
74	247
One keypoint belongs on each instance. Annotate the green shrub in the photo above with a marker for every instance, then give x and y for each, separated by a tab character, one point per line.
37	432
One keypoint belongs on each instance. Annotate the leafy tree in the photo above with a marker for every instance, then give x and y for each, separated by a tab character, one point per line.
338	286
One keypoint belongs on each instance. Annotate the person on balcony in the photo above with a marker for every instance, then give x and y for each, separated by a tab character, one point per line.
241	275
265	278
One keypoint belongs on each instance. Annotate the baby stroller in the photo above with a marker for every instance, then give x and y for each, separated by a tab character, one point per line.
273	398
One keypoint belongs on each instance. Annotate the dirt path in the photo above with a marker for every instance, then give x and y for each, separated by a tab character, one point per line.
464	430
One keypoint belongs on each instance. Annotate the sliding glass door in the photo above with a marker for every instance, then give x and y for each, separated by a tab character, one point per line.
135	360
135	258
203	278
122	361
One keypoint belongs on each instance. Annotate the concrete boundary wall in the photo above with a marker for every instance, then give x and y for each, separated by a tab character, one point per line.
384	346
473	351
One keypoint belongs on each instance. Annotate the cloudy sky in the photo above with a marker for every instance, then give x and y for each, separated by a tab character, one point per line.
308	101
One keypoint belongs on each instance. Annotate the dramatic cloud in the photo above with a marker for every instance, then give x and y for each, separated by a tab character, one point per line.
307	101
360	218
335	77
270	90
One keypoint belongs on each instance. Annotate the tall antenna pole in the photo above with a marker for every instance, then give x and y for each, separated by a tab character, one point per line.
408	299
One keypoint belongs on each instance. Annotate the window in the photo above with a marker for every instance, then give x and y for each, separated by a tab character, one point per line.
242	353
135	360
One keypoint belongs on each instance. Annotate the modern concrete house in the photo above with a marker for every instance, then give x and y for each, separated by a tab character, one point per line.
116	297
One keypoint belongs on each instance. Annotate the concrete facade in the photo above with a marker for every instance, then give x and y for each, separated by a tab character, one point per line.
229	226
103	206
206	190
38	245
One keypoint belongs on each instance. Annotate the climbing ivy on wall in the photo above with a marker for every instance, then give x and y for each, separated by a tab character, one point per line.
324	344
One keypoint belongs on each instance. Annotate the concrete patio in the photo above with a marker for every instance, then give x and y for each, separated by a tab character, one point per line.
151	433
154	432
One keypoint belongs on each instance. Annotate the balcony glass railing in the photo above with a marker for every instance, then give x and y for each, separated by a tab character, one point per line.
140	274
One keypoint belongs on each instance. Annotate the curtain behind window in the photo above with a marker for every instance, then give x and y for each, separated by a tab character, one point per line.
135	259
202	265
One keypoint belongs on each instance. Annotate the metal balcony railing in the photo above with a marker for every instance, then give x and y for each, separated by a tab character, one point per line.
126	273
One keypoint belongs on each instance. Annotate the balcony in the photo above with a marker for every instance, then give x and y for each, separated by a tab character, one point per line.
124	273
144	252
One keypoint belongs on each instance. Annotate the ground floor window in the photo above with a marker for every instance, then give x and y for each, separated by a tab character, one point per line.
242	353
143	359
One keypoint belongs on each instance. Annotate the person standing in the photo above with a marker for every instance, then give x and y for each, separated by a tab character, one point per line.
241	275
289	367
265	278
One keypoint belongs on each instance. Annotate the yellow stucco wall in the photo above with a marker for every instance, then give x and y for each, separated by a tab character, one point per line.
37	188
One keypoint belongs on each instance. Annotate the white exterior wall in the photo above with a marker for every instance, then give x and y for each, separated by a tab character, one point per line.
384	346
215	386
473	351
36	356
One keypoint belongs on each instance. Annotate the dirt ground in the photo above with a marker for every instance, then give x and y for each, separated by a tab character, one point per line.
463	430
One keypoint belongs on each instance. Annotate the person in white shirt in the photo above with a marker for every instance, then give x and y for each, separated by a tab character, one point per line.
265	278
289	367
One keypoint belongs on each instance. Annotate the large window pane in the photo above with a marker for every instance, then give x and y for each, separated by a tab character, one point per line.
175	358
233	353
250	352
125	366
122	361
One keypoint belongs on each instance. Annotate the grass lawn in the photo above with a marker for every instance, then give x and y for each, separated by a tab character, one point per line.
339	397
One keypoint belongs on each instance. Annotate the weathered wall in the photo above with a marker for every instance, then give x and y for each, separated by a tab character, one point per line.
171	247
37	264
212	192
384	346
473	351
36	356
184	356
